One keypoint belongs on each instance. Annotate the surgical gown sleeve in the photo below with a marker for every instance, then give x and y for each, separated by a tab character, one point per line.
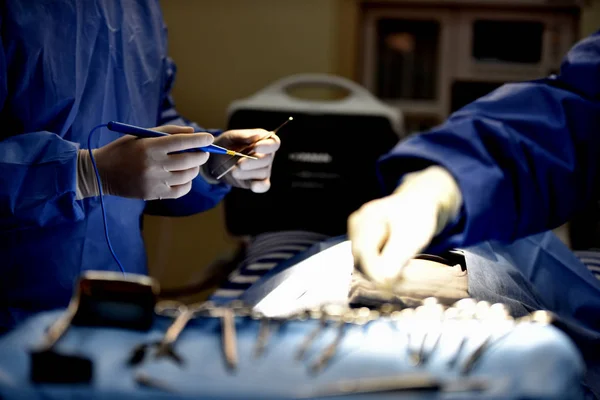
525	157
37	174
203	195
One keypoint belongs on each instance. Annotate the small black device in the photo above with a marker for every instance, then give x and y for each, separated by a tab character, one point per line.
101	298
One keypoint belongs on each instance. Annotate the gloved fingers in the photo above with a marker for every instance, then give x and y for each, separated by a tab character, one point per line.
178	191
263	160
120	141
180	142
368	257
267	146
238	138
182	177
261	186
403	243
411	230
411	220
368	231
241	175
183	161
172	129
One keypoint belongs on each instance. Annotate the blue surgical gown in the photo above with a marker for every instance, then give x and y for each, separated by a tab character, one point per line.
66	66
526	156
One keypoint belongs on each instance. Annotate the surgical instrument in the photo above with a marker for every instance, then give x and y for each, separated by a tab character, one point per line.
464	309
148	133
430	312
330	350
263	335
401	383
476	355
274	132
148	381
263	325
330	310
322	316
240	309
229	339
424	356
497	314
183	314
361	316
267	325
49	366
405	315
58	329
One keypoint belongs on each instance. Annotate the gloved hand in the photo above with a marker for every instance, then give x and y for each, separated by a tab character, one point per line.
248	174
143	168
386	233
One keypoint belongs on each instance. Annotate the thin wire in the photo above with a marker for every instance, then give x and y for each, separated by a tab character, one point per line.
283	124
102	198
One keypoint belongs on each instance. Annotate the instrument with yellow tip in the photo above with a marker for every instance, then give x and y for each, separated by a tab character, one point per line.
274	132
147	133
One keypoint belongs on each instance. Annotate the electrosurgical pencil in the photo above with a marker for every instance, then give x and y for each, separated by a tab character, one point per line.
147	133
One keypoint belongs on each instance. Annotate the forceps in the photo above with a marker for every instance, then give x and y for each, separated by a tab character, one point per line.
182	314
228	169
267	326
360	317
540	317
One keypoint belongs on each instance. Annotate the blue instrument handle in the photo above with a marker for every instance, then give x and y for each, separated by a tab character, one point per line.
148	133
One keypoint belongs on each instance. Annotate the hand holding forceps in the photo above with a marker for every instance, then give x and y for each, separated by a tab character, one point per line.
224	168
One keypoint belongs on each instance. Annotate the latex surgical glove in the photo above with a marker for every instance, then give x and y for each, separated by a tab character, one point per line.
144	168
248	174
386	233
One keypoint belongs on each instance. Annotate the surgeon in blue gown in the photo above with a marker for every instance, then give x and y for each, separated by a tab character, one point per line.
67	66
499	173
